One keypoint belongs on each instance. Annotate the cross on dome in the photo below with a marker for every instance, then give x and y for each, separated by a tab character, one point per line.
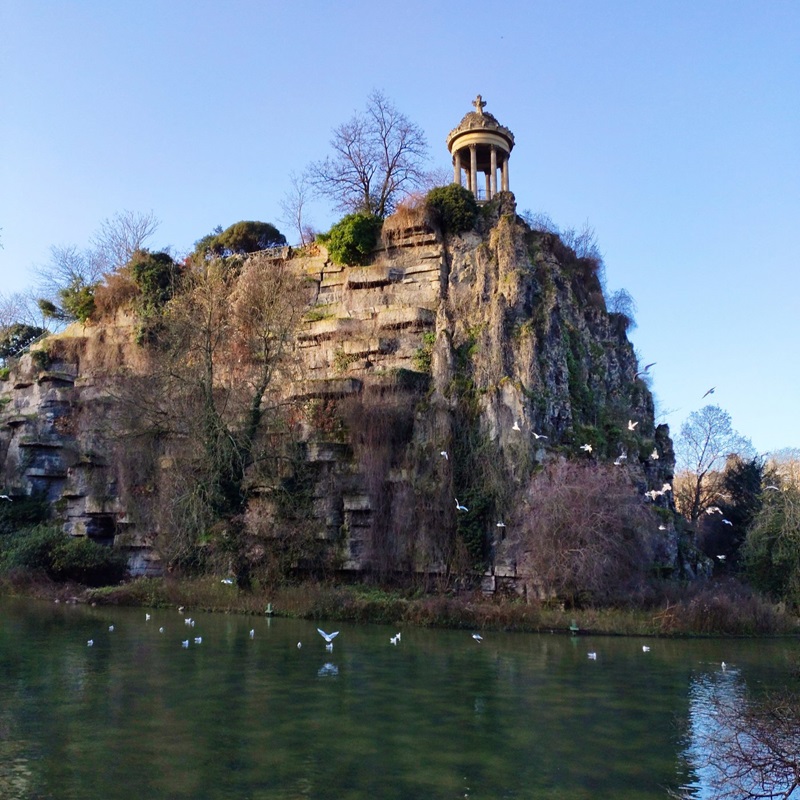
479	103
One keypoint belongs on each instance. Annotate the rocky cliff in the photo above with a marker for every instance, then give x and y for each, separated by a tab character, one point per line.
449	367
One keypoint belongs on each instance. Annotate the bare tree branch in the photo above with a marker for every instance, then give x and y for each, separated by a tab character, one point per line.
378	157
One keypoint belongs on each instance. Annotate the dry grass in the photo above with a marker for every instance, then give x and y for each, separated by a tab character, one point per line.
411	213
710	610
116	292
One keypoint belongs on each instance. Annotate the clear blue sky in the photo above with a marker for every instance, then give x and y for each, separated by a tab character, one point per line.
673	128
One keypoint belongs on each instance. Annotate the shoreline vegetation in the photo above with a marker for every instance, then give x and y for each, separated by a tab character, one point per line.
715	608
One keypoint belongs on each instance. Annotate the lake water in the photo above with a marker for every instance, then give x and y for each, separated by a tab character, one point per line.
438	716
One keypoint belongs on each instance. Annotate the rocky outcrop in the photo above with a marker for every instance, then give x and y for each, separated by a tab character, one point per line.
494	347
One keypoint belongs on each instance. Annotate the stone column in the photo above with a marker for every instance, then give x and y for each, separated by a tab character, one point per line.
457	168
493	174
505	174
473	170
488	185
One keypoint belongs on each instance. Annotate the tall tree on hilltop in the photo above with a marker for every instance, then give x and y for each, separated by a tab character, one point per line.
378	156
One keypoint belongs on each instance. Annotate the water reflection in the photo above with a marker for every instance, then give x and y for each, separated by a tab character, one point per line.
708	692
256	717
735	748
328	671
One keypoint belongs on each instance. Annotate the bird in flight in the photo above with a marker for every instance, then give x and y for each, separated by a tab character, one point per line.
500	525
620	458
459	507
646	368
632	425
443	453
586	447
727	522
654	454
515	426
6	497
477	637
328	637
538	435
710	391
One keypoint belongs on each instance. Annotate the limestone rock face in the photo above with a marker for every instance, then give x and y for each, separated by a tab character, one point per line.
494	347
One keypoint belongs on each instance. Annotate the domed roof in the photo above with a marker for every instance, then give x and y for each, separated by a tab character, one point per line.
480	120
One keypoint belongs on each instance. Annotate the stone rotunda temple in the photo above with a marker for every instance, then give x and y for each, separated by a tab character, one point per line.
480	144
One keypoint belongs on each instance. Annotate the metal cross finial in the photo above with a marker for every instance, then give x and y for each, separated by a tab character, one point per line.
479	103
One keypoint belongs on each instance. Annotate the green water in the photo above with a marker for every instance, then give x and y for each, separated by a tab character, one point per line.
438	716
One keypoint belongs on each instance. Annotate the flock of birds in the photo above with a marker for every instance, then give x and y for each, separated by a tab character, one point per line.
328	637
618	462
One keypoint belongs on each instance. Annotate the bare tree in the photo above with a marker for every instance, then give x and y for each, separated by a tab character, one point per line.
378	157
120	236
705	441
294	203
222	342
68	267
583	533
19	307
752	747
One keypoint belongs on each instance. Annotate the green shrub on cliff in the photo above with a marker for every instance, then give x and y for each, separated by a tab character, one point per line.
455	207
351	240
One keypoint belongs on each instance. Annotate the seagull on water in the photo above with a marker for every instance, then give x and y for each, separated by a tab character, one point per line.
146	617
394	639
111	628
90	643
592	656
252	633
459	507
645	648
161	630
185	643
227	581
198	640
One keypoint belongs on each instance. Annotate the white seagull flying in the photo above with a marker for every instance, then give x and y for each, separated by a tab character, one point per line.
328	637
